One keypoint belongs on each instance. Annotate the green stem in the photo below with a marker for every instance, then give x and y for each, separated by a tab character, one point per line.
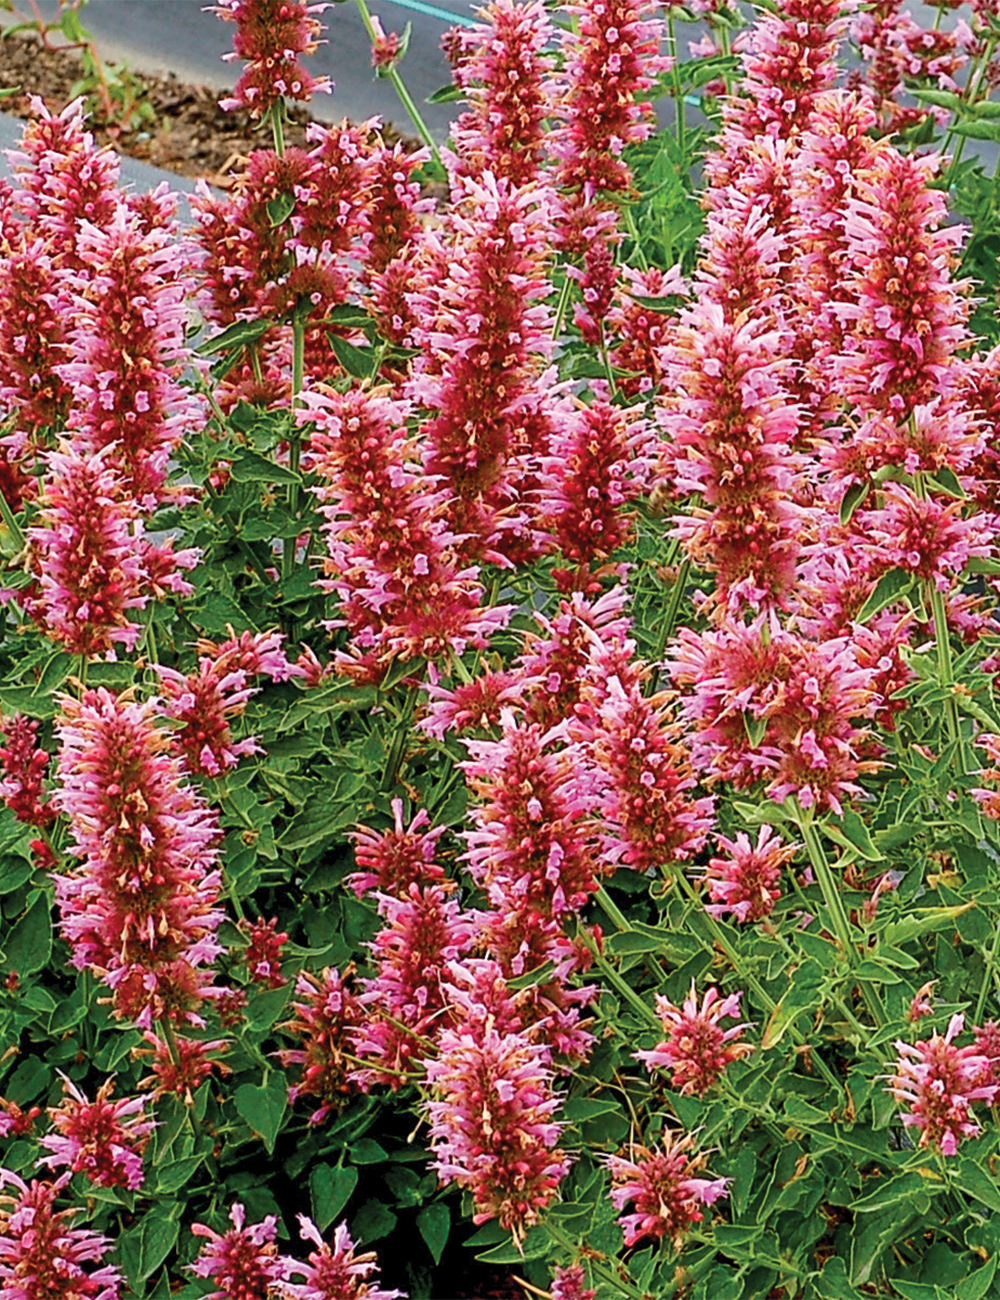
946	671
827	884
618	982
629	218
13	527
673	606
563	303
990	968
277	116
400	88
972	95
294	440
623	1288
678	87
835	907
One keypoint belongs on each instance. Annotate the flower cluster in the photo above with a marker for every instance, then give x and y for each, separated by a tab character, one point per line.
698	1048
102	1139
660	1185
270	36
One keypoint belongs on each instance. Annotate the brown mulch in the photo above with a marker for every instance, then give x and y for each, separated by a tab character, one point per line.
173	125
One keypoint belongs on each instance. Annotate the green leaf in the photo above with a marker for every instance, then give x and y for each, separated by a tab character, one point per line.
890	588
146	1245
237	335
29	943
979	1184
279	209
947	480
630	941
921	921
177	1174
897	1191
265	1008
978	1285
263	1107
536	1245
349	316
940	98
251	467
530	979
54	672
358	362
579	1109
368	1152
372	1221
978	130
449	94
802	995
434	1225
853	497
330	1188
851	832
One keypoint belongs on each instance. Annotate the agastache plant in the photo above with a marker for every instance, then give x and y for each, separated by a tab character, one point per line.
498	677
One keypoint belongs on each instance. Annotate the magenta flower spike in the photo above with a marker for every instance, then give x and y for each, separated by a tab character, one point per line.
492	1127
270	37
660	1185
141	907
41	1255
507	78
87	550
746	883
102	1139
326	1010
937	1082
243	1262
698	1049
571	1284
25	765
127	345
424	930
334	1272
393	860
530	849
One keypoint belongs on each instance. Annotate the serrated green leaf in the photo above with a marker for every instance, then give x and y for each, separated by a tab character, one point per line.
251	467
279	209
802	995
146	1245
29	944
330	1188
853	498
372	1221
358	362
237	335
978	1285
175	1175
449	94
850	831
921	921
263	1107
889	589
434	1225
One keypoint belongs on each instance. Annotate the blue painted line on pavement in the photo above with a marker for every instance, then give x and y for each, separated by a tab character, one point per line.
432	11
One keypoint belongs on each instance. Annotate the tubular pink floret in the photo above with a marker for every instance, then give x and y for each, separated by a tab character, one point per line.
334	1271
243	1261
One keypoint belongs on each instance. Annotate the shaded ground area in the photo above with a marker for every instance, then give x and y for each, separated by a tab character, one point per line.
172	125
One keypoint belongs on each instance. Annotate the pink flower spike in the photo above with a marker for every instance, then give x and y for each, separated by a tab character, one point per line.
41	1255
937	1082
659	1183
270	35
243	1262
698	1049
747	883
102	1139
492	1130
393	860
334	1272
570	1284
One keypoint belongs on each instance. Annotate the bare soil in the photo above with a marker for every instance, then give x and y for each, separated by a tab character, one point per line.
171	124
